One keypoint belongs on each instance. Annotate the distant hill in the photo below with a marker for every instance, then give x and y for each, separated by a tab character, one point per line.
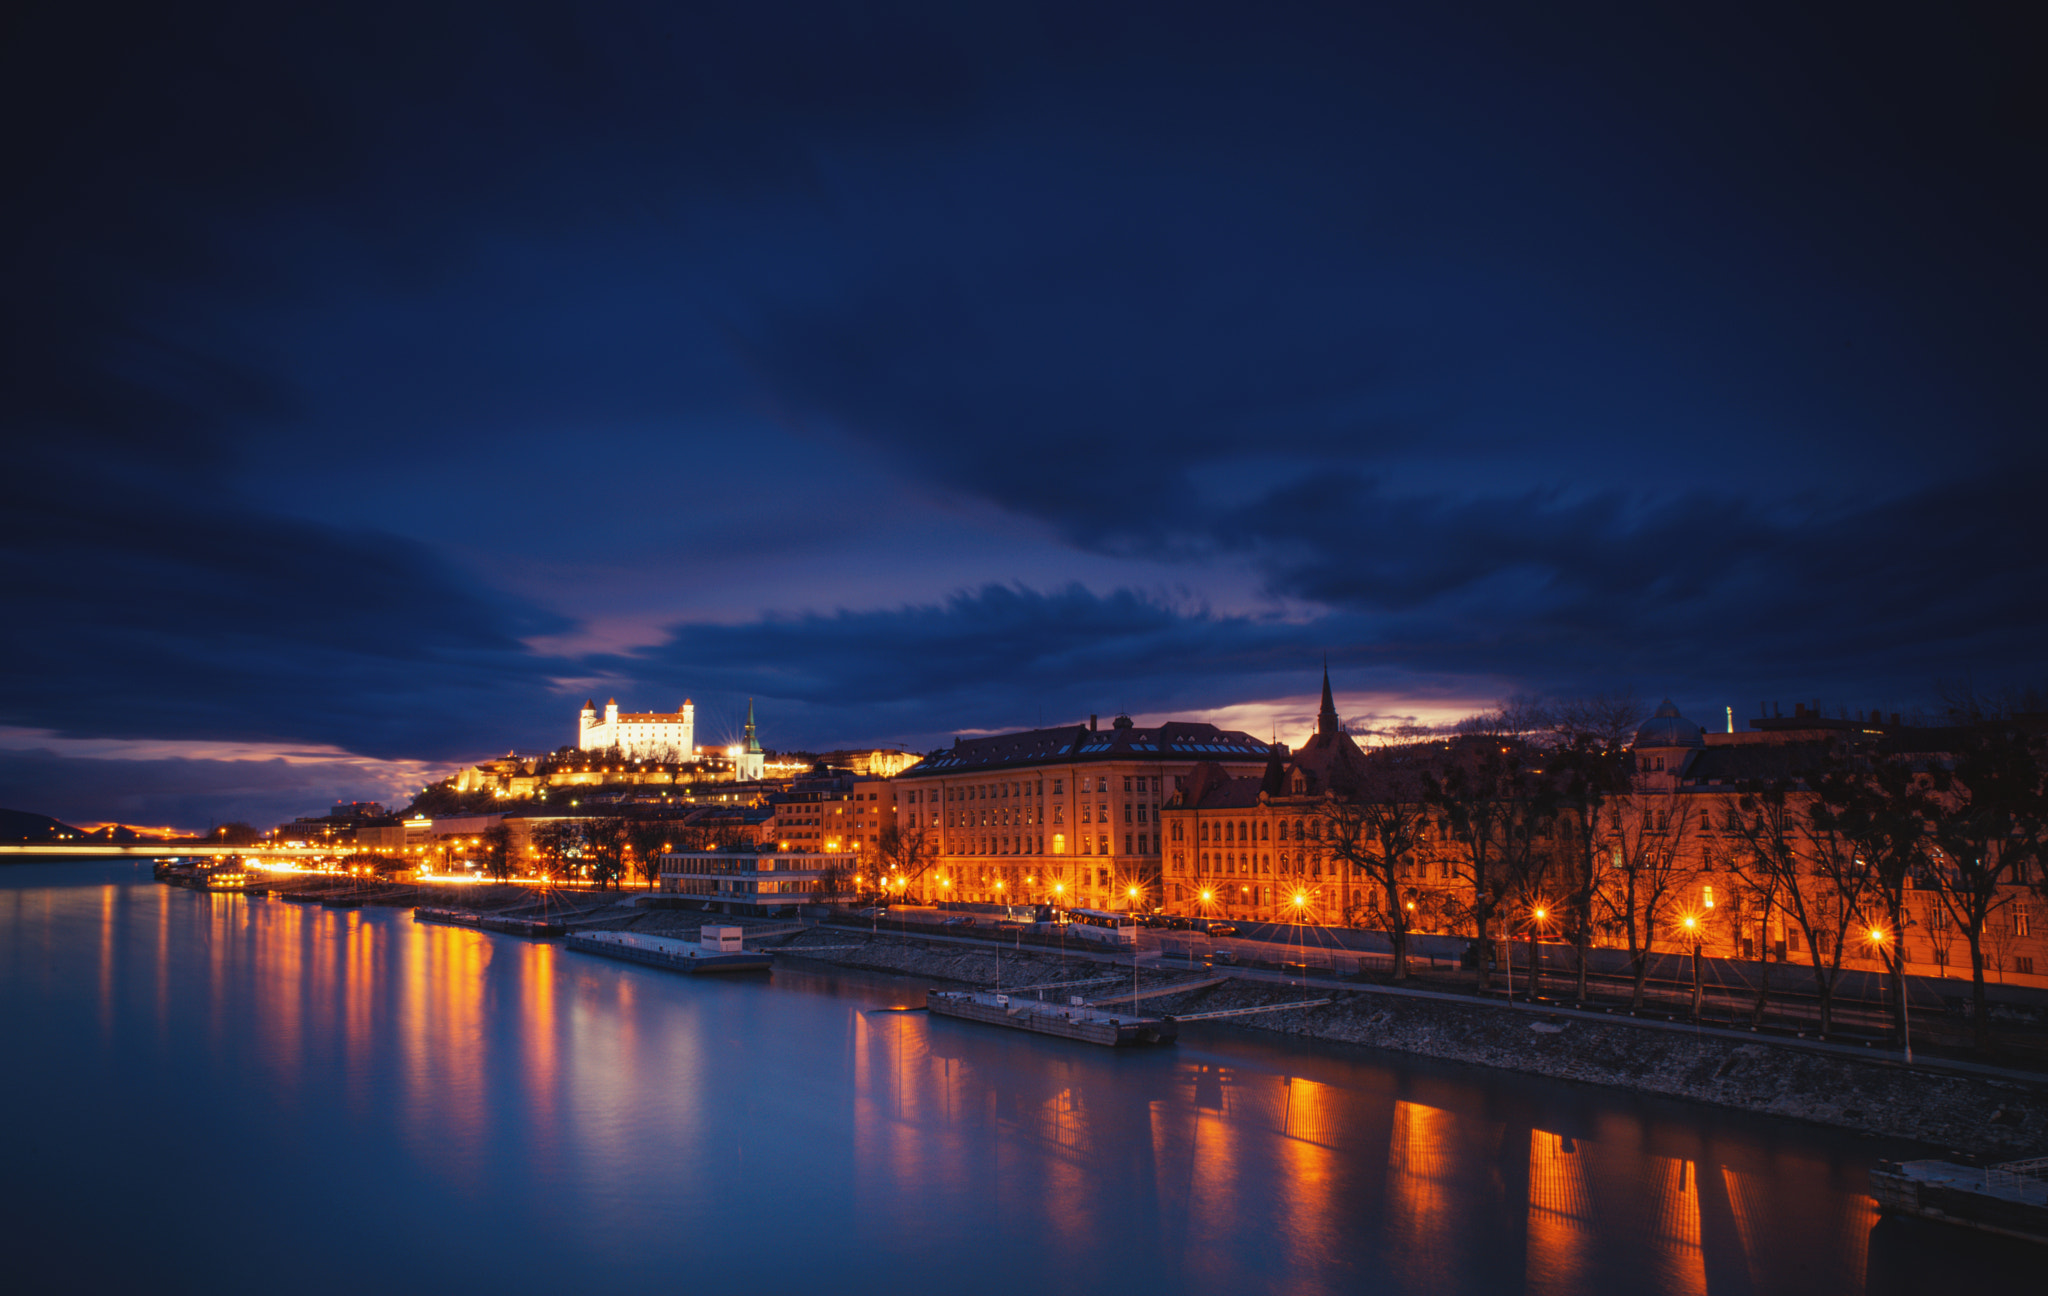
19	826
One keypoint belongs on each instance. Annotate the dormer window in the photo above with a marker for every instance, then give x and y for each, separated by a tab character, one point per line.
1300	785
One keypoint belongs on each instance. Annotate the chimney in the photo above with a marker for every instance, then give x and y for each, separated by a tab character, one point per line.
1091	722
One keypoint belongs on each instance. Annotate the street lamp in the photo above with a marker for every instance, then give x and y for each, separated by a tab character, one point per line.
1692	927
1898	970
1537	917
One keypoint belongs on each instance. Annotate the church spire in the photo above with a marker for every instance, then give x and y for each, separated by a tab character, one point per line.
1327	724
753	743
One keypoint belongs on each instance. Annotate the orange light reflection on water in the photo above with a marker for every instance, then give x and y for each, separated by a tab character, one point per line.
1560	1214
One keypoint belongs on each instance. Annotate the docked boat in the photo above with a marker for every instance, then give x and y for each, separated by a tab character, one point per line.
716	949
1071	1020
2011	1199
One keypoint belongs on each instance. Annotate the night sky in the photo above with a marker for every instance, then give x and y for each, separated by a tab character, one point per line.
381	382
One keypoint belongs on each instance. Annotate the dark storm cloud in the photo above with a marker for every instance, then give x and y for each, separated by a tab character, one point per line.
185	793
1558	345
1001	643
138	615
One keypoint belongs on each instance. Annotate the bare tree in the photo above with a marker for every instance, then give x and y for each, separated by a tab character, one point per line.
1375	830
1488	798
650	840
906	848
497	843
555	842
606	843
1766	822
1827	904
1589	767
1877	804
1647	839
1989	813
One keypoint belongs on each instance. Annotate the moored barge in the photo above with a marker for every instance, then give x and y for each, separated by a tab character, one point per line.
2010	1199
1072	1020
717	949
529	927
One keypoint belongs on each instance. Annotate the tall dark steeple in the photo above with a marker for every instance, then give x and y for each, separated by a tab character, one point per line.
1327	724
753	744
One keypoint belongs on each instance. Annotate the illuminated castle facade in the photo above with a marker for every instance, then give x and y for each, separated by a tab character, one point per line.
652	735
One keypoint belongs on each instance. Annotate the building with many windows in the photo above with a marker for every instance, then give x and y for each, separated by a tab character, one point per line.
636	735
757	882
1068	815
1247	844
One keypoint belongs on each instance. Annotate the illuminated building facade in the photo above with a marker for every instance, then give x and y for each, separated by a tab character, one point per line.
1068	815
648	735
1248	846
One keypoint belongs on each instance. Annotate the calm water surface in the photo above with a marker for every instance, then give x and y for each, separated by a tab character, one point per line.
208	1092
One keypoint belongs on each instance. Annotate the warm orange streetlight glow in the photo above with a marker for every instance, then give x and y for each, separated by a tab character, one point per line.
1540	914
1691	922
1207	896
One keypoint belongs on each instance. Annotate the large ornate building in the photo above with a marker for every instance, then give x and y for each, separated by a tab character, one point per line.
650	735
1068	816
1248	845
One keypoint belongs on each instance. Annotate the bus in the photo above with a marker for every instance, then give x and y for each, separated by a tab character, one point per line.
1102	925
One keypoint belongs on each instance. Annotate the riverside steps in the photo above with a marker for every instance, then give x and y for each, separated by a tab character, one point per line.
716	950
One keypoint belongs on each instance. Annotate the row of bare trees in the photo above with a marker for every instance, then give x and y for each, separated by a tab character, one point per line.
612	848
1542	813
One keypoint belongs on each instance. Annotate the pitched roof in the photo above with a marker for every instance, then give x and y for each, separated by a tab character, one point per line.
1177	741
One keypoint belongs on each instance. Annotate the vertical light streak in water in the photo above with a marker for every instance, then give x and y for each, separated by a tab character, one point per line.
1744	1202
1063	1132
1560	1215
1825	1247
160	896
1218	1203
1420	1235
539	1028
359	989
108	895
1680	1252
220	974
281	944
1859	1217
1307	1216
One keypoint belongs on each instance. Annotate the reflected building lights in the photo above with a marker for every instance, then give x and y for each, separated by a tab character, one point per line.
1560	1215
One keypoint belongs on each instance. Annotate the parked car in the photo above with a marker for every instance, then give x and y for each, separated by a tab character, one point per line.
1226	956
1175	922
960	920
1215	927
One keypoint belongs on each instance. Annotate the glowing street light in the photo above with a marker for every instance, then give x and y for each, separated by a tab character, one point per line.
1877	937
1692	925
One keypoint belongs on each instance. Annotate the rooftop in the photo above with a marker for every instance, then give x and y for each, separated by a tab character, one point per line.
1176	741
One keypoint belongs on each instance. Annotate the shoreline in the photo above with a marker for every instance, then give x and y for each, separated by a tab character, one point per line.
1993	1117
1990	1117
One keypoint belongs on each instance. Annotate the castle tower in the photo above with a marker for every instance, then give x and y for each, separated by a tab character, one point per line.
689	739
586	720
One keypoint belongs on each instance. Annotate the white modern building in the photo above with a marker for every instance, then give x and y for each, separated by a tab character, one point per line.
752	882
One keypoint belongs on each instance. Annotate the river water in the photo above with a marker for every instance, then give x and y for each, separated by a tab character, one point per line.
209	1092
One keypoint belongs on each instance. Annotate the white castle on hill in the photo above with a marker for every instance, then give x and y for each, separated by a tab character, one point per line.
664	736
640	735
